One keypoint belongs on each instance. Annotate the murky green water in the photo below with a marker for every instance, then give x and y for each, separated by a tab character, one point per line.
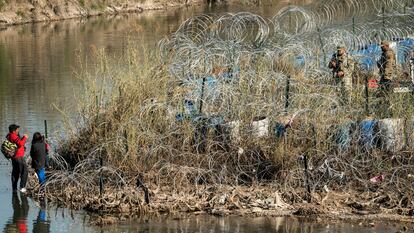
37	66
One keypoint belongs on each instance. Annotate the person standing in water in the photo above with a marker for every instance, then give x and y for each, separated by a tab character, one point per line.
38	153
18	162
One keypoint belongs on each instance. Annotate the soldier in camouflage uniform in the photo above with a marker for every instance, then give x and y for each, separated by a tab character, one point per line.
342	69
386	65
387	72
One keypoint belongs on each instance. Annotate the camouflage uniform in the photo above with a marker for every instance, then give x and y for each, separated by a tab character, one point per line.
387	68
386	65
342	64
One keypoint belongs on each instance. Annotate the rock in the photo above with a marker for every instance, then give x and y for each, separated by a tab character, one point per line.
371	224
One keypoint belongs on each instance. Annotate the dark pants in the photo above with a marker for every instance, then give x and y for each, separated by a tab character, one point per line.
19	171
384	94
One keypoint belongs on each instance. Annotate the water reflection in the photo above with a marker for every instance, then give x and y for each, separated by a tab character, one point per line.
18	223
211	224
41	224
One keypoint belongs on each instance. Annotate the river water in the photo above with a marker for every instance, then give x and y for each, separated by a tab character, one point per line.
38	63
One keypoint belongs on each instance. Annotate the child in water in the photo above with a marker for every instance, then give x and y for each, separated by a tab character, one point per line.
38	153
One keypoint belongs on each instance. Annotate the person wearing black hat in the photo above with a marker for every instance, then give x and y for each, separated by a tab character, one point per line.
18	162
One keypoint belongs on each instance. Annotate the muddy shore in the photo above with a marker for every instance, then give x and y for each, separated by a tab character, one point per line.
53	10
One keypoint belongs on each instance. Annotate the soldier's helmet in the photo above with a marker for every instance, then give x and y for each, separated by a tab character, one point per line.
341	47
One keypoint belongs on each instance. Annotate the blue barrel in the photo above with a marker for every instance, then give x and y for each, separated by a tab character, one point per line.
343	135
368	137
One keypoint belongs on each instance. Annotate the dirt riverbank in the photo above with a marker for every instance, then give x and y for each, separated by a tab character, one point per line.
30	11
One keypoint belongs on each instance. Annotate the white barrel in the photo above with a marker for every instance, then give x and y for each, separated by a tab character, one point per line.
260	128
392	134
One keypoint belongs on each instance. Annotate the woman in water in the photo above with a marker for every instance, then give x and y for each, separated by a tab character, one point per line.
38	152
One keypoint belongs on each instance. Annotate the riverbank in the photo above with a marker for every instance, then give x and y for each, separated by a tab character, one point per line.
14	13
261	200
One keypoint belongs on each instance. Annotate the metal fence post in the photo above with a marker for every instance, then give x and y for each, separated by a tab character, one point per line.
101	184
45	128
305	164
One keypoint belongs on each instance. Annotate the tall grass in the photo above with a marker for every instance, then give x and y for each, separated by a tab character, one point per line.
127	117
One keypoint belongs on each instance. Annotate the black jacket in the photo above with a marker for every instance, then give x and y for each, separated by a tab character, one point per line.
38	154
